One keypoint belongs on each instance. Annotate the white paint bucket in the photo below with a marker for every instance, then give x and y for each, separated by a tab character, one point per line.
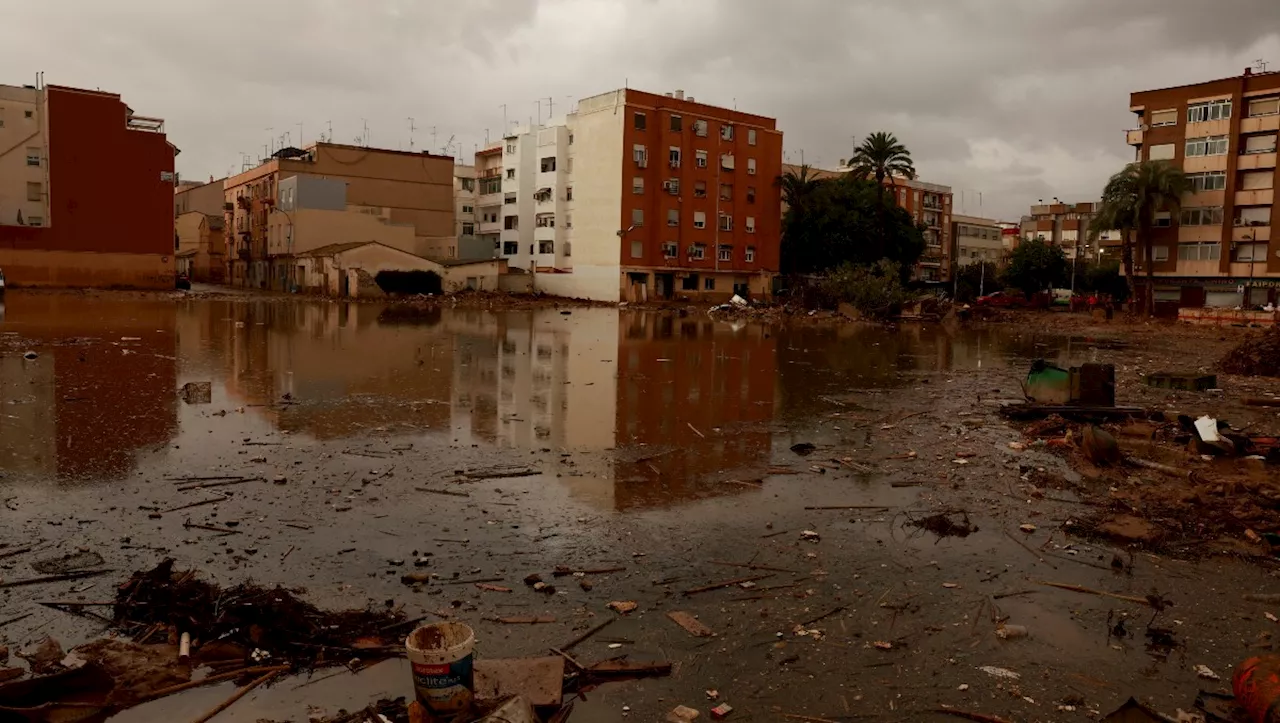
442	657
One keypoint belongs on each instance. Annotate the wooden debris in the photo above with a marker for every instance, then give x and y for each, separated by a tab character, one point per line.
726	583
522	620
224	530
1156	466
622	607
451	493
223	498
1091	591
588	634
54	578
237	696
625	669
562	571
206	485
849	507
690	624
750	566
500	473
492	588
980	717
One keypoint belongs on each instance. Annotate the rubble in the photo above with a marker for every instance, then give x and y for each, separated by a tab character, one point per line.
1257	355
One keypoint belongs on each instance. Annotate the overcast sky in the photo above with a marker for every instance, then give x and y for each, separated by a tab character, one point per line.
1012	99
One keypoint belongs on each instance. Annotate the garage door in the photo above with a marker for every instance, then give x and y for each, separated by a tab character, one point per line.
1223	299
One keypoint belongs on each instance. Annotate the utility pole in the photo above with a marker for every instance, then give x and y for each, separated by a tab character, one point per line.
301	141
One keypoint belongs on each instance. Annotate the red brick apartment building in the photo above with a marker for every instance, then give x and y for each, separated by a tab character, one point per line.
86	191
1221	246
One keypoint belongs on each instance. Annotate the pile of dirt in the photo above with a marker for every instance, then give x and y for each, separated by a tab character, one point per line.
269	619
1258	355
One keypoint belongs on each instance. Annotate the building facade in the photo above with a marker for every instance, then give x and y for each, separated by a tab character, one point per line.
1067	225
406	199
1219	249
638	196
86	188
977	240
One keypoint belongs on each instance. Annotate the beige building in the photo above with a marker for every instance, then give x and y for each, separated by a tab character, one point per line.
399	189
351	269
206	198
977	240
201	247
23	150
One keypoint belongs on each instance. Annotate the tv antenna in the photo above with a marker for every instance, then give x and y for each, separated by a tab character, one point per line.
1261	65
412	128
448	145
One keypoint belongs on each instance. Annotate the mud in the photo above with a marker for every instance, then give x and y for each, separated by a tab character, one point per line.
660	444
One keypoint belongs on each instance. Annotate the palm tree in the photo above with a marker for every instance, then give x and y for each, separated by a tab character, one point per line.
1130	202
797	185
881	156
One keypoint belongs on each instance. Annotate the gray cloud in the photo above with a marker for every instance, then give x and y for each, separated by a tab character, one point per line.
1011	99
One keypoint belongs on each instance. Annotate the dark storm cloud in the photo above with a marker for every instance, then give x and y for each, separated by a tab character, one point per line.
1013	99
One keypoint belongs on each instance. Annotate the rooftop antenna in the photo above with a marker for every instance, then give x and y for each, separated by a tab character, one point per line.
504	119
1262	65
433	136
330	130
412	128
448	145
301	141
486	136
366	132
271	132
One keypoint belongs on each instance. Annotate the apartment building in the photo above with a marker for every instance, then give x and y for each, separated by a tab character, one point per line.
977	240
85	191
1219	249
929	205
466	196
638	196
1067	225
402	199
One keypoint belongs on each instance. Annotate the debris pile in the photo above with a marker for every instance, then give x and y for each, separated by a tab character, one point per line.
1258	355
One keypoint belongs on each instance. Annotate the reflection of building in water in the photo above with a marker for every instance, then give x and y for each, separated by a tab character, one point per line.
84	410
536	379
680	379
347	369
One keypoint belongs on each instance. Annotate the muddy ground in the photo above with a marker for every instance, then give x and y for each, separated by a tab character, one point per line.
660	444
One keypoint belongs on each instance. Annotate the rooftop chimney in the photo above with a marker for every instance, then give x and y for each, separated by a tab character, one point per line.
690	99
669	95
679	95
1248	71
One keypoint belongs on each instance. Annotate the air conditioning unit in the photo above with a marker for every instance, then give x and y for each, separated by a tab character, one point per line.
642	162
672	187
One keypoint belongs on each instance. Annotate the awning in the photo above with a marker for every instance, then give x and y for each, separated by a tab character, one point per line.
542	191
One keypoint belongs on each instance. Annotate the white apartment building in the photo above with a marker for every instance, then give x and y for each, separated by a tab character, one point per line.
536	199
489	198
464	211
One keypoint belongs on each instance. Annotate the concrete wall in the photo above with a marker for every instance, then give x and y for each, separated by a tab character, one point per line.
485	276
207	198
516	283
322	274
328	194
86	269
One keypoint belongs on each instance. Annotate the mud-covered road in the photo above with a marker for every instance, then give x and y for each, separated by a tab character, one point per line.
371	436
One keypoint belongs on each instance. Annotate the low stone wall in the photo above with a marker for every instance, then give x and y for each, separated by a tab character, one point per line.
1210	316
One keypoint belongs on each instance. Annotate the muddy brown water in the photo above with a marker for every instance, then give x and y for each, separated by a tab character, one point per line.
658	443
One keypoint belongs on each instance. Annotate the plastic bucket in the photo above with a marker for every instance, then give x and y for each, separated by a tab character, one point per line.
441	655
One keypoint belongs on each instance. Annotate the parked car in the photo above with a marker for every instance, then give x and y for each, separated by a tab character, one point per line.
1001	299
183	283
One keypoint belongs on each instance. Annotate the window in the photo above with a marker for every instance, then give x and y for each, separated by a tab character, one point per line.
751	194
700	159
673	156
751	136
709	284
751	254
725	253
546	247
700	128
699	252
39	221
637	249
568	193
1207	146
726	161
672	186
1160	253
641	121
1162	152
677	123
33	156
511	174
637	185
491	185
751	224
1260	144
726	222
751	166
468	229
1257	180
1213	181
1251	252
568	165
637	217
689	283
509	199
699	189
511	149
511	223
510	248
468	184
1264	106
1253	216
568	247
1211	111
548	164
669	249
1164	118
568	221
33	191
699	219
1199	252
641	155
726	192
468	209
726	132
673	217
1207	216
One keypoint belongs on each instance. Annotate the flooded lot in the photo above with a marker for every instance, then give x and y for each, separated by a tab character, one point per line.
654	442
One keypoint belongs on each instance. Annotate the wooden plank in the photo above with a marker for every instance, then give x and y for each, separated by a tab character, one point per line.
690	624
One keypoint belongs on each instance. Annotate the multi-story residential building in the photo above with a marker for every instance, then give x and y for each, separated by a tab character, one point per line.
929	205
977	240
466	195
398	189
639	196
85	191
1219	249
1066	225
489	198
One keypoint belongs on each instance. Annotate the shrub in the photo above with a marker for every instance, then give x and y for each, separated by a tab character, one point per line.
875	290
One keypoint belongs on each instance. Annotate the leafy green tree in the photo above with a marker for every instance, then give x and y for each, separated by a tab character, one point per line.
1036	266
876	289
846	220
881	156
1130	202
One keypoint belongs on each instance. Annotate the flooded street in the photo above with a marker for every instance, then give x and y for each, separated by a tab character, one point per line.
500	444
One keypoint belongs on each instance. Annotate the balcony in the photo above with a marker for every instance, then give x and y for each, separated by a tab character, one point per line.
1251	233
1260	197
1260	124
1255	161
1133	137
